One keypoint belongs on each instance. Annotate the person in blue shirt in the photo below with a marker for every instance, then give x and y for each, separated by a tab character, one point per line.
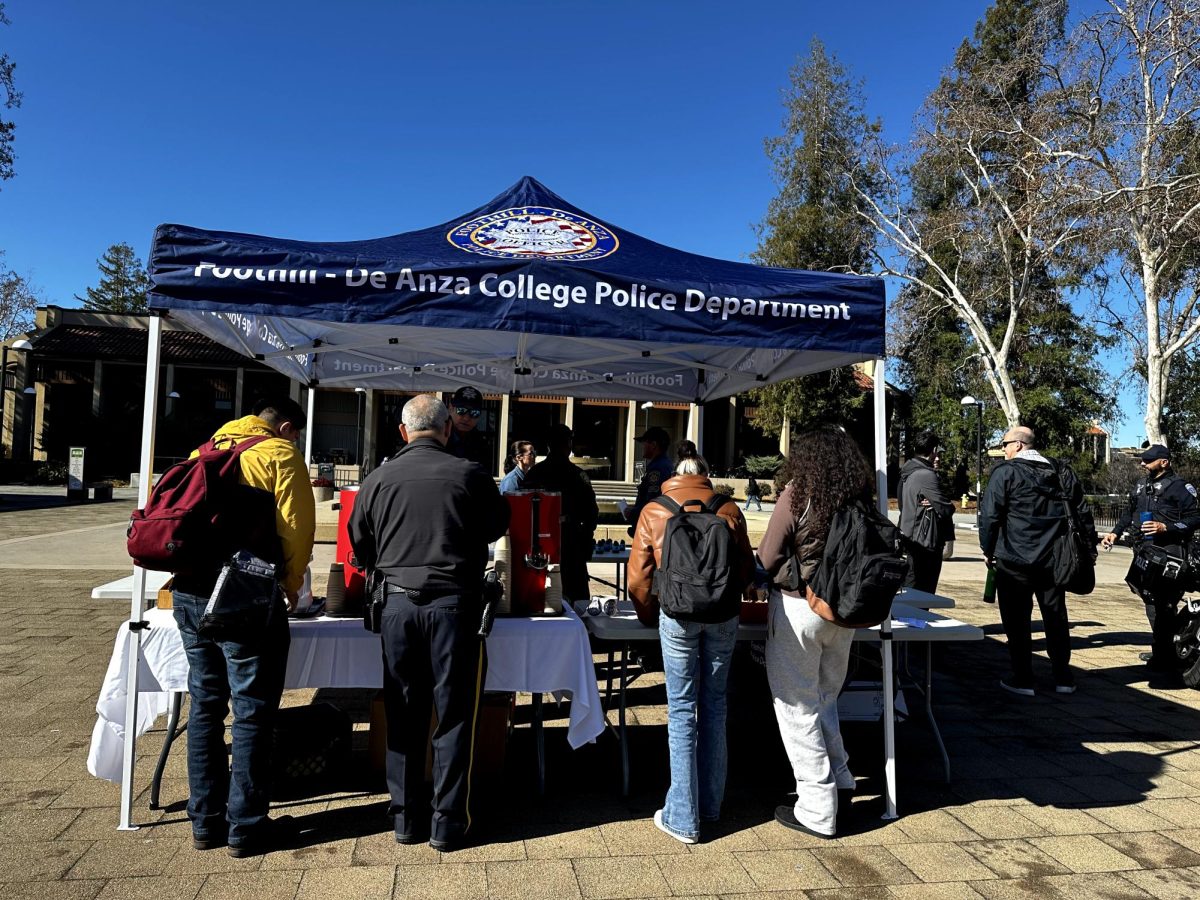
659	468
522	455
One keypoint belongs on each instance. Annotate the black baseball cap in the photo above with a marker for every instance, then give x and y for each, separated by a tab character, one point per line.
656	434
1155	451
467	396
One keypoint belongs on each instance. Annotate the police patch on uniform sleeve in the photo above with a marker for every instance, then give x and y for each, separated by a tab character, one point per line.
1191	490
655	478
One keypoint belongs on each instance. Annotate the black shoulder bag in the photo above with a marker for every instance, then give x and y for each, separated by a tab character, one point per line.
1074	561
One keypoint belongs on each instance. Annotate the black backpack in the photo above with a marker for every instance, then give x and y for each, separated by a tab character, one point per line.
862	568
698	579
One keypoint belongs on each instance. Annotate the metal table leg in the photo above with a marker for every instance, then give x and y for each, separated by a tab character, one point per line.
937	734
173	731
539	737
608	687
623	736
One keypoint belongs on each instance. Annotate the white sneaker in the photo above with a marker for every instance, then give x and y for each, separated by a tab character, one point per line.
1016	688
658	823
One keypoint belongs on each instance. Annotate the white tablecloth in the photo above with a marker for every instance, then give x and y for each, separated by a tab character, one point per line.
533	655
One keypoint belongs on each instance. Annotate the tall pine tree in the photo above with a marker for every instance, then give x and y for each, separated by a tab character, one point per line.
123	283
811	223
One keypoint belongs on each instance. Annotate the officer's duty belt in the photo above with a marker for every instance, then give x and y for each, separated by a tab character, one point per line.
424	595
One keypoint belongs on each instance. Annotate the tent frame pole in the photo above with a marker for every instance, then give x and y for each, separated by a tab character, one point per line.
885	628
137	601
308	429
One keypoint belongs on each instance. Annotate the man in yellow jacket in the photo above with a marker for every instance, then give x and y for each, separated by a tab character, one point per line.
230	806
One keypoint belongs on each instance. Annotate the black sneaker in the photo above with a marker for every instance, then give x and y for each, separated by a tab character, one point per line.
271	835
448	844
786	816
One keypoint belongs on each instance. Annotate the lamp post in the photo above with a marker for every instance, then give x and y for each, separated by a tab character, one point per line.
17	345
978	404
30	392
362	393
647	406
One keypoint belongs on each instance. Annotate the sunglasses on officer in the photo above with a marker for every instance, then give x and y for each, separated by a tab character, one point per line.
467	411
1004	444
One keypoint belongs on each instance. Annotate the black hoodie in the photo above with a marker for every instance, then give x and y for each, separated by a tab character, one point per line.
1023	512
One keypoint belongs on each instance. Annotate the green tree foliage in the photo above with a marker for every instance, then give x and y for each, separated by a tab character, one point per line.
18	303
811	223
123	283
1050	355
12	99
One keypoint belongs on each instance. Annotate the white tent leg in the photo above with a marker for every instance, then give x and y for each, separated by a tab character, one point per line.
308	429
885	629
137	597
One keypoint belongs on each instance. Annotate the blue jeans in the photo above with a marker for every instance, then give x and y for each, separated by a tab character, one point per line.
696	660
250	671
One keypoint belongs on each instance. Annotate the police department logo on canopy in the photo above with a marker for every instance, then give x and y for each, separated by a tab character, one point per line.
540	232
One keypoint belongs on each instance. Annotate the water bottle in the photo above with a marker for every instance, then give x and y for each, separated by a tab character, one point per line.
989	587
1147	517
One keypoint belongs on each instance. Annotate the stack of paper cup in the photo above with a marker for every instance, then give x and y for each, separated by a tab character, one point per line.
501	563
335	591
554	596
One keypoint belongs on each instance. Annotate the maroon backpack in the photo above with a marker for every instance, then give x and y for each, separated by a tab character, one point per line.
192	519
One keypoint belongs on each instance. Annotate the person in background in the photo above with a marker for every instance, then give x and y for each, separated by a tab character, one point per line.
1021	517
920	488
423	522
1165	508
580	512
696	658
659	468
228	804
466	407
807	655
753	494
523	456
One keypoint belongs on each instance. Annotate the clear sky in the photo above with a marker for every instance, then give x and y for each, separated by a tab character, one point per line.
354	119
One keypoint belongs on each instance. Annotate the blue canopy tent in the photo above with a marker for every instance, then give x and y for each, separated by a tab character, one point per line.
526	294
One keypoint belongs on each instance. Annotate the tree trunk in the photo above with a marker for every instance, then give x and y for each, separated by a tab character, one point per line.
1158	369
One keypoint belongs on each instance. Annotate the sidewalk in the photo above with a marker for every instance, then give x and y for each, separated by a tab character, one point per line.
1091	795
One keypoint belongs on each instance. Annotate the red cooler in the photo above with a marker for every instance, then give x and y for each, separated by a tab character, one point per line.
532	547
356	578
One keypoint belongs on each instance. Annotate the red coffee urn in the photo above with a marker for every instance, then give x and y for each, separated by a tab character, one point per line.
356	577
535	539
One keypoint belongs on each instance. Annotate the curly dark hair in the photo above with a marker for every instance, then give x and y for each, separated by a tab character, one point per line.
826	469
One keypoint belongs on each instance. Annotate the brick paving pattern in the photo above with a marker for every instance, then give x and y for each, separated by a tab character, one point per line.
1091	795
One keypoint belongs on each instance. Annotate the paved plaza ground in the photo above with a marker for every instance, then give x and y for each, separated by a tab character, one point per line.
1091	795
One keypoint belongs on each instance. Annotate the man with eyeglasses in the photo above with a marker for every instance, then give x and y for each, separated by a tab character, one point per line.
1022	516
1166	508
466	407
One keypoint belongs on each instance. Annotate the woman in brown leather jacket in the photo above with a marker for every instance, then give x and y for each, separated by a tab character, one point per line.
696	657
807	655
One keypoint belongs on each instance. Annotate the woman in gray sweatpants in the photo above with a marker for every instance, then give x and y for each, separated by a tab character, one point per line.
807	654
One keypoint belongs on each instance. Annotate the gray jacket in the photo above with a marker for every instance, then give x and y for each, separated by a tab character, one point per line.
919	480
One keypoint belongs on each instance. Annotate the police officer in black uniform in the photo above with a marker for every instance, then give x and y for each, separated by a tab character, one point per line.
659	468
466	442
1174	515
424	521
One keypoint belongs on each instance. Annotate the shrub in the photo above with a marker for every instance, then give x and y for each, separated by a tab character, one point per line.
53	472
322	482
725	490
765	490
